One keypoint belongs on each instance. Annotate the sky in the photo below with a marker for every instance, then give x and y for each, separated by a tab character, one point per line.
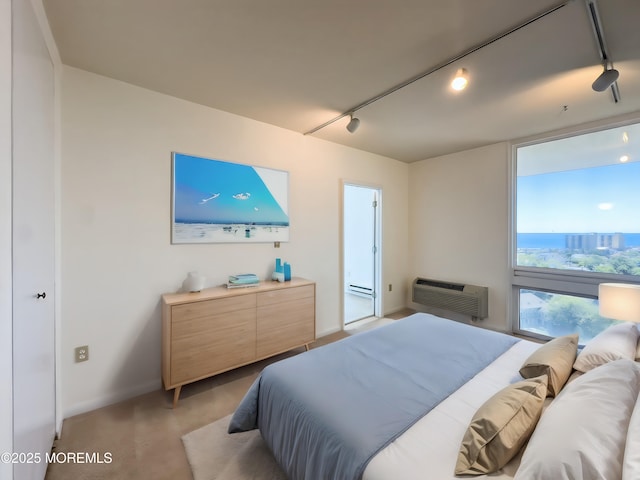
212	191
602	199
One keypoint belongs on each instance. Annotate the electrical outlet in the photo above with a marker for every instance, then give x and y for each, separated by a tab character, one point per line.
390	287
82	353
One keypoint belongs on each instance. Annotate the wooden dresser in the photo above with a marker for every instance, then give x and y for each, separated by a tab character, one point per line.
219	329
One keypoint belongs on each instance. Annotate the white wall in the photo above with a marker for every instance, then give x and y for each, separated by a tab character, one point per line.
117	258
6	332
459	223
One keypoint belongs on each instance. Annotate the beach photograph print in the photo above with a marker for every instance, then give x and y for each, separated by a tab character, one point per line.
224	202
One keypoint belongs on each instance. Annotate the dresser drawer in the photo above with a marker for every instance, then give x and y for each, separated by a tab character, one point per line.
288	294
207	345
218	306
285	325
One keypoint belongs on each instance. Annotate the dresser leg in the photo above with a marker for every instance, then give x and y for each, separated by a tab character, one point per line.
306	347
176	395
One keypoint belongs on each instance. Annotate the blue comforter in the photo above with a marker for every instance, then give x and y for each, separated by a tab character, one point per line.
325	413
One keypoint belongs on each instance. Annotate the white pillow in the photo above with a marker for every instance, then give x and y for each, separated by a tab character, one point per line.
582	434
616	342
631	465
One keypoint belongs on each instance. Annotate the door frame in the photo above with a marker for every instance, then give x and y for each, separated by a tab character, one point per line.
378	299
6	235
54	54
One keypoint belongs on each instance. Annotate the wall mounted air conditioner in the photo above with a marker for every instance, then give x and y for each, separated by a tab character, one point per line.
456	297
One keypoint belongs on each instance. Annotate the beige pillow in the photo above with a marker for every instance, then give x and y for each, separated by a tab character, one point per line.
555	358
501	426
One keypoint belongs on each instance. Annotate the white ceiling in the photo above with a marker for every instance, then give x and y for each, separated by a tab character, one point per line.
299	63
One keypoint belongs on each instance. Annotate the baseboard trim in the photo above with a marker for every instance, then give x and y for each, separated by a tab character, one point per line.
324	333
393	311
111	398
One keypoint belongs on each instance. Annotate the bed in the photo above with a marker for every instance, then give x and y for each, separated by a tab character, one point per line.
400	400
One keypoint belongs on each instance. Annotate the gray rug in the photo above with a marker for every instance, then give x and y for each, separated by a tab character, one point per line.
215	455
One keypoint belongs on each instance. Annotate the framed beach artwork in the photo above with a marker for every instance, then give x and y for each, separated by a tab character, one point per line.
222	202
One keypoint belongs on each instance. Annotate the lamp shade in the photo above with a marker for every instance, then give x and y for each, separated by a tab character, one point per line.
620	301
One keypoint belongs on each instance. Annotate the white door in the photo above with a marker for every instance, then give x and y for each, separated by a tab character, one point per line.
360	251
33	244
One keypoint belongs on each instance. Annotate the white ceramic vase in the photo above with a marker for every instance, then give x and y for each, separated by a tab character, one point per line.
194	282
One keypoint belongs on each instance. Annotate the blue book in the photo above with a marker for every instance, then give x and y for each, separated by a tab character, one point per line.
244	279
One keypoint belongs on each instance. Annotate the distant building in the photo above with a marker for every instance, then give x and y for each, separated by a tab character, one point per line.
611	240
594	241
584	242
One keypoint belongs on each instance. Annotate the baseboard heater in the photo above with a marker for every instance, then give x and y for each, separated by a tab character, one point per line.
360	290
456	297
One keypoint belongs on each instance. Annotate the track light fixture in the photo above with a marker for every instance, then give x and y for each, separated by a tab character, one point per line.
353	124
605	79
461	80
610	75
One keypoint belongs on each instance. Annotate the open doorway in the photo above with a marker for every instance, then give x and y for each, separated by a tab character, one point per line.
361	251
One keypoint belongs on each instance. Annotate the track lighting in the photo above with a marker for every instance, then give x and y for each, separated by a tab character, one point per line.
605	80
353	124
461	80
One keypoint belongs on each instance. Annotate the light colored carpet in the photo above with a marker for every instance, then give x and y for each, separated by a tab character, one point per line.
215	455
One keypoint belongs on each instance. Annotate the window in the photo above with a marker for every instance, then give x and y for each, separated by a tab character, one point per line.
555	314
577	224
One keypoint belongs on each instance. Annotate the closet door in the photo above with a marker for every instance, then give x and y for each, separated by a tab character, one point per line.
33	244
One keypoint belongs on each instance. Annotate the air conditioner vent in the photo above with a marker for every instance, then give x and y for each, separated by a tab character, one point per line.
456	297
439	284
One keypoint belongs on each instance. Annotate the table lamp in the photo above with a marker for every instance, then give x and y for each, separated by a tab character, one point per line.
619	301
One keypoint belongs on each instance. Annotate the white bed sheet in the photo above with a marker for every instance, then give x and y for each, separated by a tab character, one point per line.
429	449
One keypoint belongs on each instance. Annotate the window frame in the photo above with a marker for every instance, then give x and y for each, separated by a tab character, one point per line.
565	282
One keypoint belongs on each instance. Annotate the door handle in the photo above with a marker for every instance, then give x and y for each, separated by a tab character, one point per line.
41	295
